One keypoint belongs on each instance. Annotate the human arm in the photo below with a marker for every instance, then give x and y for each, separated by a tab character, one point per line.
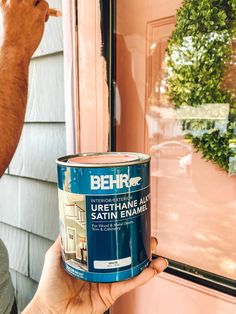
23	26
58	292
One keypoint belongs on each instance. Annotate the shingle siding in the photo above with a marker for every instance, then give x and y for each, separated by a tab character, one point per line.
16	241
37	250
9	200
28	191
46	74
37	151
13	277
33	205
38	212
25	290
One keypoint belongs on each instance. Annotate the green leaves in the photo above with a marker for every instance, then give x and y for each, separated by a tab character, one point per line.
198	54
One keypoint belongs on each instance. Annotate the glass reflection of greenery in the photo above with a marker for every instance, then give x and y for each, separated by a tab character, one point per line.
199	54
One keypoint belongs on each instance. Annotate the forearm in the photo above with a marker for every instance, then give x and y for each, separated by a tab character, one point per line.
13	97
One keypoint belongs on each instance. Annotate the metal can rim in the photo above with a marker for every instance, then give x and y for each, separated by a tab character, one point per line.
141	158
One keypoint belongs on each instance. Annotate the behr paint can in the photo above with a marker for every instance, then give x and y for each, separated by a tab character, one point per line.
104	210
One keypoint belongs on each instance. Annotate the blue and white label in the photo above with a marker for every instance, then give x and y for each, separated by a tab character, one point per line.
105	221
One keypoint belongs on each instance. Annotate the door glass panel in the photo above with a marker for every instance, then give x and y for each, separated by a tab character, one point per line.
193	200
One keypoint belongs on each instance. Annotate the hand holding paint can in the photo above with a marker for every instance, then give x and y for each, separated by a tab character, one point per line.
104	206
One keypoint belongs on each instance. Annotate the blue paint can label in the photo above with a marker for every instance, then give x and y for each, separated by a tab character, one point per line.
105	218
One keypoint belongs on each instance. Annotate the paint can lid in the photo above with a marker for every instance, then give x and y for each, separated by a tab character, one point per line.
103	159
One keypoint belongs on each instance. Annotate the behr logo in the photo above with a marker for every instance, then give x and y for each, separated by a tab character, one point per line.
109	182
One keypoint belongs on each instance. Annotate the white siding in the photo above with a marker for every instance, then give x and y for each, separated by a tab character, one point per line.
39	208
37	249
13	277
37	151
25	290
16	241
9	200
30	205
46	74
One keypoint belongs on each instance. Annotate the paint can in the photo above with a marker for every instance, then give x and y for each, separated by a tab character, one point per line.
104	210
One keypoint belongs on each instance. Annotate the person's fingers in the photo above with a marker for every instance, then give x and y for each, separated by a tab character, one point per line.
56	247
159	264
54	12
54	252
154	243
43	8
2	2
156	267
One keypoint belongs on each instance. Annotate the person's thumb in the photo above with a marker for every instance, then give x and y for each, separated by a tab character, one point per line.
156	267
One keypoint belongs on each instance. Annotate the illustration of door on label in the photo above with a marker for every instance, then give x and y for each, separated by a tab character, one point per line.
73	228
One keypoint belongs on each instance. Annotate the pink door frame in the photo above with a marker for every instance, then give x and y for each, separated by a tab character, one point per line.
86	90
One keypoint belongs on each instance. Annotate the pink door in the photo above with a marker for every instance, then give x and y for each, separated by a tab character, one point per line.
193	201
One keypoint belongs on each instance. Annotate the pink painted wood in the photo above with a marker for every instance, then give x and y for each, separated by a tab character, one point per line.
92	82
71	77
168	295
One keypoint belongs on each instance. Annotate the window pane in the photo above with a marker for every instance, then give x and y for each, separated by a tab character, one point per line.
193	200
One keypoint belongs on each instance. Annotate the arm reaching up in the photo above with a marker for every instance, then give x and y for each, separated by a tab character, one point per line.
23	27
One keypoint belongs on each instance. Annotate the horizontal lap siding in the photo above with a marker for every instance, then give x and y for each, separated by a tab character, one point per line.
39	208
9	200
33	205
37	249
28	190
25	290
46	91
36	154
16	241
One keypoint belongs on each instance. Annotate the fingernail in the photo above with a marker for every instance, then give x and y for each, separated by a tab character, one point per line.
154	243
156	240
167	262
161	264
54	12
